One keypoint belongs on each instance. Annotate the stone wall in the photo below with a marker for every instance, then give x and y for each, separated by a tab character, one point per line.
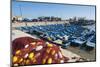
19	24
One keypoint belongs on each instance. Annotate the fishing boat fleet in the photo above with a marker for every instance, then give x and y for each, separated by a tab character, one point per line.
64	35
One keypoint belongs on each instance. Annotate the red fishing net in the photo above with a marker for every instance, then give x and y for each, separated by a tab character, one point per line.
28	51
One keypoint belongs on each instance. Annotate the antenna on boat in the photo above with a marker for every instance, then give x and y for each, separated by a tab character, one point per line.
20	10
21	13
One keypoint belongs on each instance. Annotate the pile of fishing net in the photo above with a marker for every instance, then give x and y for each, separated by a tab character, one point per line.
29	51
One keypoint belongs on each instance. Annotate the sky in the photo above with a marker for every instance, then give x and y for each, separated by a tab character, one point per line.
65	11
